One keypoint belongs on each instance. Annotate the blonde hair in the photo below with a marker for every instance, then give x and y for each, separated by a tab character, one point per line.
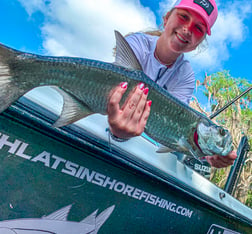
155	32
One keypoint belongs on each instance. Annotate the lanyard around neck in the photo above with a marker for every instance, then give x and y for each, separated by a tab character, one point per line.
160	74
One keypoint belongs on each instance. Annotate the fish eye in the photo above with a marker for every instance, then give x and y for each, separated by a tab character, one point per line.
222	131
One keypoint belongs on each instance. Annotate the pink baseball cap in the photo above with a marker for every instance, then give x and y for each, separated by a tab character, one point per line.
207	9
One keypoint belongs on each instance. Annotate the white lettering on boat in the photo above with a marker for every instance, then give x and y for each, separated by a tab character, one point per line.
56	162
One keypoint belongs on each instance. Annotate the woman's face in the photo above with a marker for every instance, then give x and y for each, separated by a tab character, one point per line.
184	30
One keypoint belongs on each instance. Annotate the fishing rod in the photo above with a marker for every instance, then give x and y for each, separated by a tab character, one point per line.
230	103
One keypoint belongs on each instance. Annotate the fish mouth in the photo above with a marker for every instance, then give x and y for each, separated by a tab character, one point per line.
181	38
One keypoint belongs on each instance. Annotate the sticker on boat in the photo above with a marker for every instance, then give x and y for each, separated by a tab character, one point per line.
56	223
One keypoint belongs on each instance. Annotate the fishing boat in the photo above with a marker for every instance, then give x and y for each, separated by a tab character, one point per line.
76	179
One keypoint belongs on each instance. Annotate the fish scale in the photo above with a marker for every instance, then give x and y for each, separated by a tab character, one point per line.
85	85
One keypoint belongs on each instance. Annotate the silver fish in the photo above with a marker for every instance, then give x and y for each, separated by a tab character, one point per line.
85	85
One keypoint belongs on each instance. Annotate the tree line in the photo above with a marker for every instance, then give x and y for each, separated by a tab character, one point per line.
218	89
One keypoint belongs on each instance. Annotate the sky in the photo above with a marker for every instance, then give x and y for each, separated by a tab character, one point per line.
85	28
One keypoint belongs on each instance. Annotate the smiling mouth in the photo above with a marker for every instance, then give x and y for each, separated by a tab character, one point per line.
181	38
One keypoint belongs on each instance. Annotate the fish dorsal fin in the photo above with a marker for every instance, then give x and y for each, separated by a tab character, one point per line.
90	219
124	54
59	214
72	110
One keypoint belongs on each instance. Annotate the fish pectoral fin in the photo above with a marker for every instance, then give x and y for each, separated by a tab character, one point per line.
180	145
59	214
72	111
186	146
164	149
124	54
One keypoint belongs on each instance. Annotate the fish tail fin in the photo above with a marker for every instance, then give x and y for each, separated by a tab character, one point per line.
102	217
10	90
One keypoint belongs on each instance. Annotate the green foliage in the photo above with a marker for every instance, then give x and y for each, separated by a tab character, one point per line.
219	176
249	199
220	88
223	87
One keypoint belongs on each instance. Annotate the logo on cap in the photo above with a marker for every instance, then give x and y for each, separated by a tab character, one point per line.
206	5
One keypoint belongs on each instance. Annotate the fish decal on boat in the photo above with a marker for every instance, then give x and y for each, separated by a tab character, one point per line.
56	223
85	86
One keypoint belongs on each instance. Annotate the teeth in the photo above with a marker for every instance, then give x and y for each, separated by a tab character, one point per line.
181	38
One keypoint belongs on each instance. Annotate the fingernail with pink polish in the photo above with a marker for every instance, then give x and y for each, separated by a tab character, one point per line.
124	85
146	91
141	86
149	102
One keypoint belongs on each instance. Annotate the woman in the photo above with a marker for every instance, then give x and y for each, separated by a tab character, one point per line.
162	59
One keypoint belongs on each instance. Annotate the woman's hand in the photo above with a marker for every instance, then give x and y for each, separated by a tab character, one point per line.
222	161
130	119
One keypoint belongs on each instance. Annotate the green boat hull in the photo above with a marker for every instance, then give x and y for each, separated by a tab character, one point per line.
44	170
